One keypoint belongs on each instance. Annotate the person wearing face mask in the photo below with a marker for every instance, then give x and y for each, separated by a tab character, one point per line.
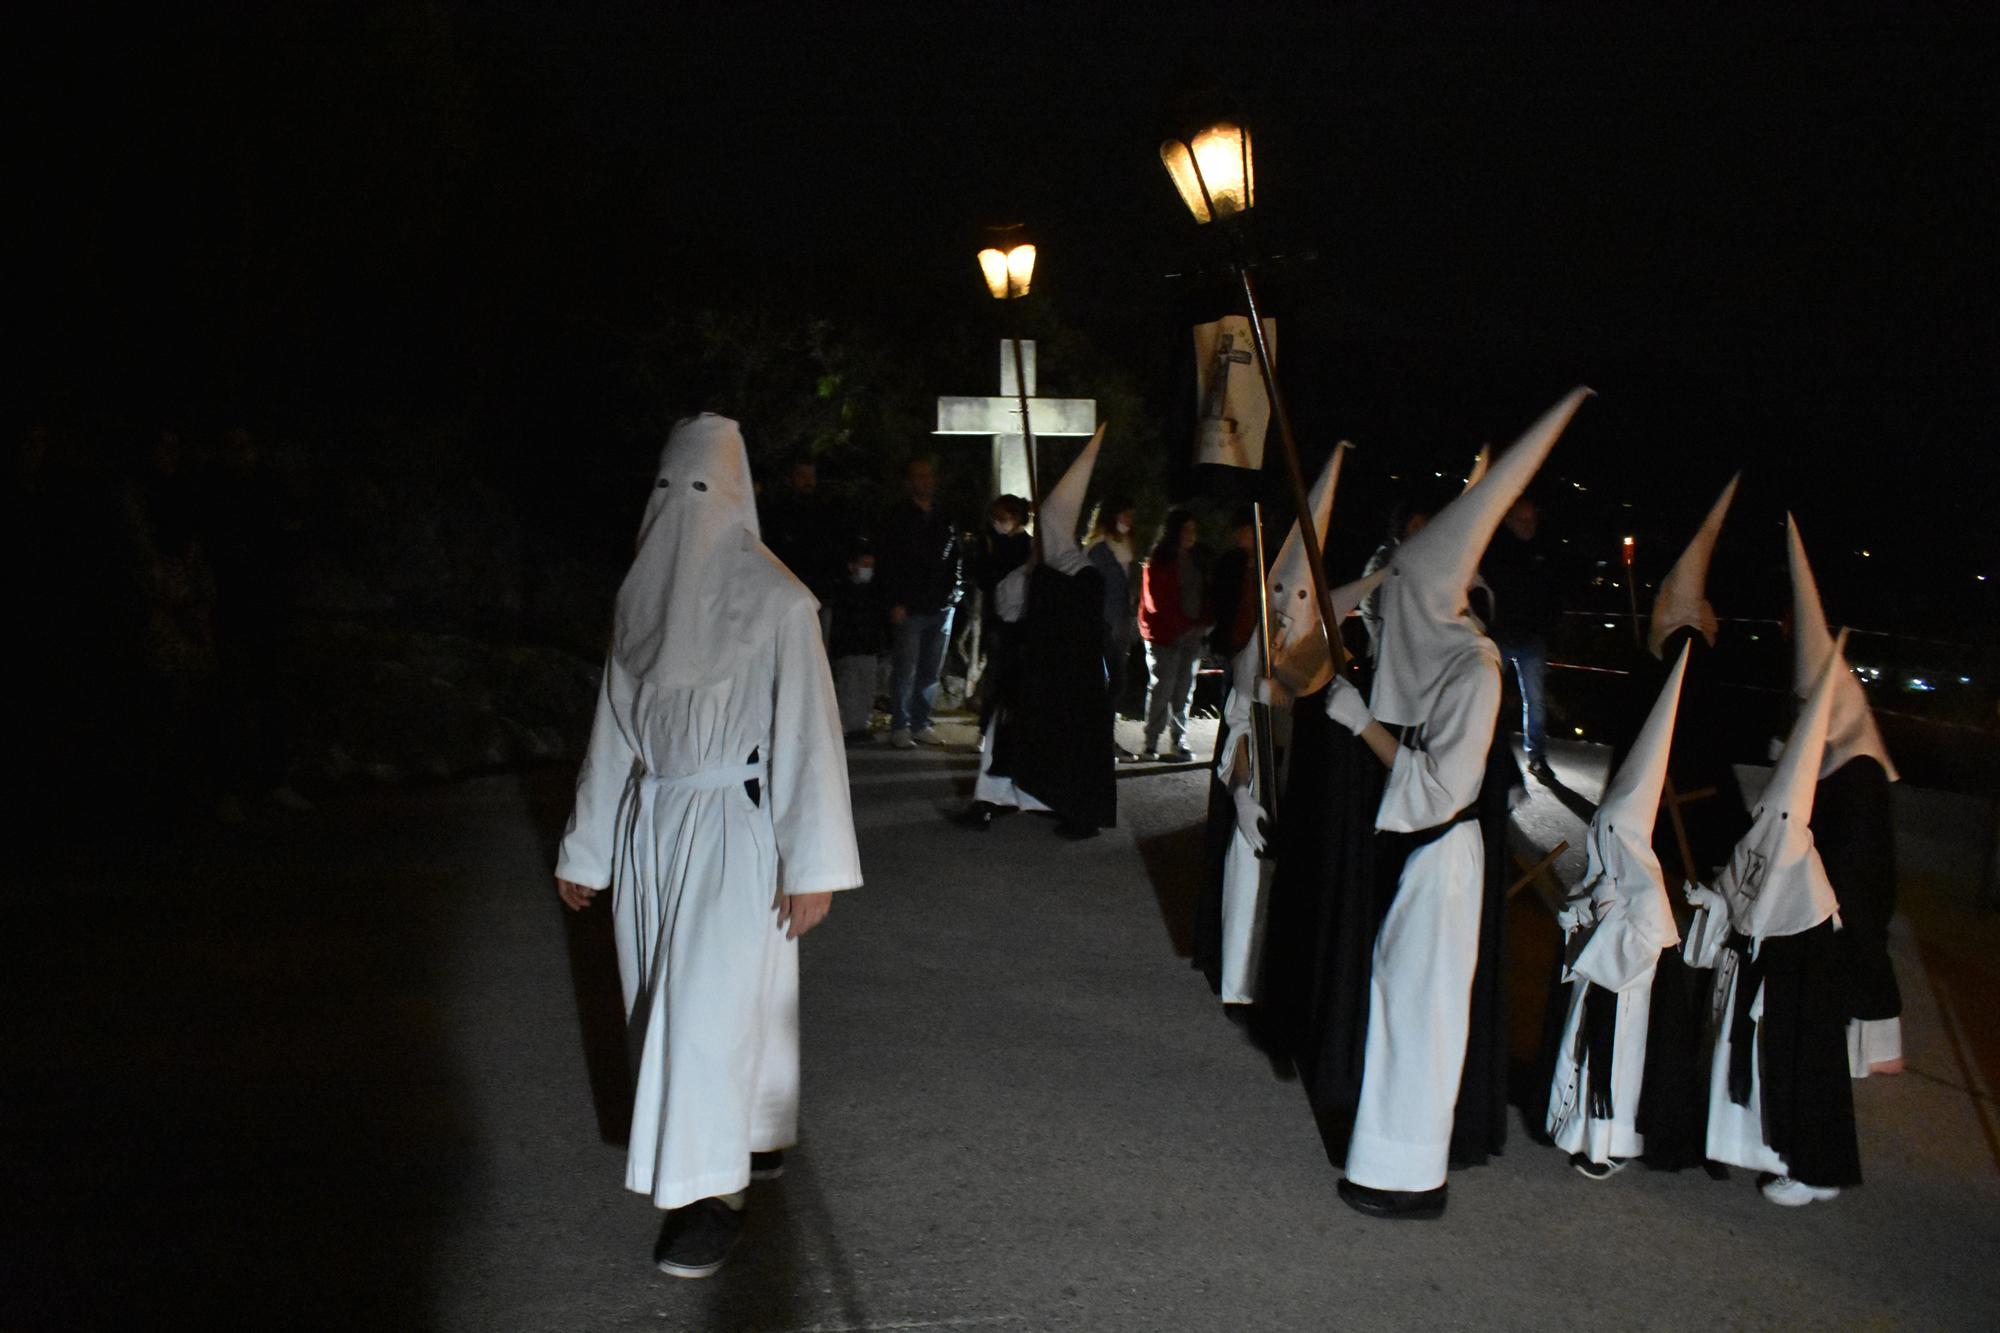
996	552
1110	552
859	638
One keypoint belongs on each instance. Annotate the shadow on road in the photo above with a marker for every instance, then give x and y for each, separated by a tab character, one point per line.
1174	866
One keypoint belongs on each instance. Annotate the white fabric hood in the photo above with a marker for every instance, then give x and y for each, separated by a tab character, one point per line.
1774	882
1627	889
1683	596
702	588
1298	650
1424	621
1850	730
1062	507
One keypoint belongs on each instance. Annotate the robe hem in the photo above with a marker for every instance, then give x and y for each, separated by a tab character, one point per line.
681	1193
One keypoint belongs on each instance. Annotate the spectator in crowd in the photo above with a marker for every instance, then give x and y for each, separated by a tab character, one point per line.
799	528
994	554
920	571
1235	601
1110	550
1173	617
1522	574
857	642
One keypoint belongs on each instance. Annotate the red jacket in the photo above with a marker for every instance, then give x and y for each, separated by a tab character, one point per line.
1161	619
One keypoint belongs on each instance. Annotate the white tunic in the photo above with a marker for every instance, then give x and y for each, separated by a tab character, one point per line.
695	865
1735	1133
1624	963
1246	878
1420	989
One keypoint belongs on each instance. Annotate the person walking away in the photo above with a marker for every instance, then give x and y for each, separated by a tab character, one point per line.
857	642
1173	616
1110	552
920	571
713	803
1526	610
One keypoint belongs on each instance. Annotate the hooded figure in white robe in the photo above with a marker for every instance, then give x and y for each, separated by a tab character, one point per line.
1618	923
1853	827
715	784
1229	925
1438	679
1779	1098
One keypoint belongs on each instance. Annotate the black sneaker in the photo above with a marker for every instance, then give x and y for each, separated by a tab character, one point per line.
1394	1205
1596	1170
696	1240
767	1165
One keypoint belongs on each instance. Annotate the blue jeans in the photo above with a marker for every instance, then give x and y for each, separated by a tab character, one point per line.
917	651
1530	660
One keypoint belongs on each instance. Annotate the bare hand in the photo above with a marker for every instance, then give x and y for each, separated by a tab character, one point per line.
800	912
575	896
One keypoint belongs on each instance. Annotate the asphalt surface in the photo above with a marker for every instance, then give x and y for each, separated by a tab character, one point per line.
357	1069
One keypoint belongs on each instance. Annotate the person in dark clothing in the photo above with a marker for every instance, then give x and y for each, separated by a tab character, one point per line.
992	555
799	529
920	572
857	641
1109	550
1233	595
1526	609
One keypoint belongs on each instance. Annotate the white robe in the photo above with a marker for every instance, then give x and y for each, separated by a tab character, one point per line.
1420	988
711	983
1735	1133
1624	962
1246	877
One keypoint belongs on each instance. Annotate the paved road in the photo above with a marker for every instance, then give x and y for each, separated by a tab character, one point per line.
358	1070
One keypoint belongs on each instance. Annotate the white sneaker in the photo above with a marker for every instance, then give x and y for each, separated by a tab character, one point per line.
1789	1193
900	739
928	736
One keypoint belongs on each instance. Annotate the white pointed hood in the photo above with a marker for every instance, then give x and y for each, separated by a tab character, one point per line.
702	589
1683	596
1480	462
1850	730
1424	621
1062	508
1298	649
1627	889
1774	882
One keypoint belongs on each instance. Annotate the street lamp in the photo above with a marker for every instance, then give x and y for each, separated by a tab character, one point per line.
1210	161
1008	264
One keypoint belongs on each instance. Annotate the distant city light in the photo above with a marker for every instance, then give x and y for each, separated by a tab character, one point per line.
1918	684
1865	554
1980	577
1609	625
1579	731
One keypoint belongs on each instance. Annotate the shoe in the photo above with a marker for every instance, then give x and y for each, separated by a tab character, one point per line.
1789	1193
1394	1205
1180	754
978	817
900	739
696	1240
767	1165
928	736
1595	1170
1540	768
1075	832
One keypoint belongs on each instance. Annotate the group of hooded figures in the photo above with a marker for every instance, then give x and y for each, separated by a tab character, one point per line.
713	805
1366	924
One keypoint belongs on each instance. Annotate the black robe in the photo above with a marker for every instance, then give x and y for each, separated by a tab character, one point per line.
1853	826
1052	728
1804	1087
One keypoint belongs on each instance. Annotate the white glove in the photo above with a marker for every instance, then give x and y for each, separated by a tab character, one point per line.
1345	705
1703	898
1272	693
1575	912
1249	818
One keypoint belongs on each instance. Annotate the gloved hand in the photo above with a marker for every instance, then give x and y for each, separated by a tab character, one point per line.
1249	818
1703	898
1272	693
1575	912
1345	705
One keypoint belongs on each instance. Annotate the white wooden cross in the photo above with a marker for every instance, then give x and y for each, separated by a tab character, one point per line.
1000	417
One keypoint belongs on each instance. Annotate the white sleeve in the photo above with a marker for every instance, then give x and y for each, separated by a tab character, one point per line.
1705	937
1010	595
1428	786
585	856
811	814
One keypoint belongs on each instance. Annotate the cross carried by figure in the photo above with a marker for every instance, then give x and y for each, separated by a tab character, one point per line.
1000	417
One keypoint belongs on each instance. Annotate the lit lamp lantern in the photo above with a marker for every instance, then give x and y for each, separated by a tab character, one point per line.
1213	170
1009	272
1008	264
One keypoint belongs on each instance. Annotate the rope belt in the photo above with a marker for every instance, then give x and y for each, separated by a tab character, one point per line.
707	779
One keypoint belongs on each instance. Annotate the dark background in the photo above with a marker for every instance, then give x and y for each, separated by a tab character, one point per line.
510	241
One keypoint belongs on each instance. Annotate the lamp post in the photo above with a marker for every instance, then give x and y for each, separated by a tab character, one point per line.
1214	169
1008	263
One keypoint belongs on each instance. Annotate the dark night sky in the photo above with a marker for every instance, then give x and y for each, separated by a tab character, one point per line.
1762	233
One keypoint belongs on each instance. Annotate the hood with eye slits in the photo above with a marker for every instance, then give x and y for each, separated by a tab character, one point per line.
702	589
